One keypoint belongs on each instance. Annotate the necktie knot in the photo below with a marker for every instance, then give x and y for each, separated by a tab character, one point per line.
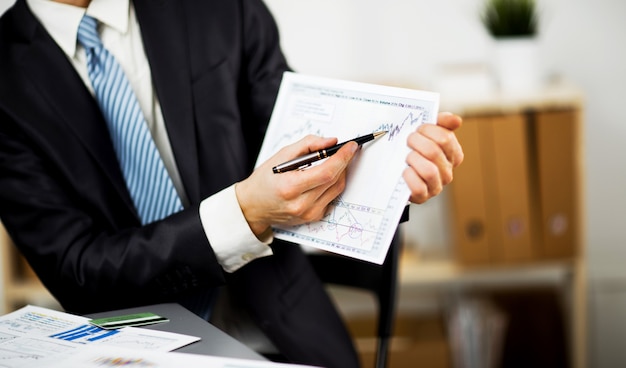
88	33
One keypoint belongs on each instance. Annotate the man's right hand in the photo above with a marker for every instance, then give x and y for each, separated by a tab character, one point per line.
294	197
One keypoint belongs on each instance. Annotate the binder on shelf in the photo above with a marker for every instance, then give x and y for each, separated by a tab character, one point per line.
511	178
491	192
468	198
490	189
557	140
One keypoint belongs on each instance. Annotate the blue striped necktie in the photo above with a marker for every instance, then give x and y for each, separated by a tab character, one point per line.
148	182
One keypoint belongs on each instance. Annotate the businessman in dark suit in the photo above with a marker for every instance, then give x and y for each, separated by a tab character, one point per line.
206	74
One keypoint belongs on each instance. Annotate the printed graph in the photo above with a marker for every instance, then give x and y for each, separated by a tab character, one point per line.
362	221
347	225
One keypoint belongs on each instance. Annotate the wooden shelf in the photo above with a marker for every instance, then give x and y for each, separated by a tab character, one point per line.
557	95
424	273
20	285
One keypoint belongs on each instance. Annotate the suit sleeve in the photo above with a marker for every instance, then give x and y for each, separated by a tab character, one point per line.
89	250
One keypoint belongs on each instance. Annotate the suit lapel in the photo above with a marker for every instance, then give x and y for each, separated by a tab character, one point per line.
165	41
63	90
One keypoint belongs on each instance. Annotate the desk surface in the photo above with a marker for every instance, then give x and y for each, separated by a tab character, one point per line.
213	341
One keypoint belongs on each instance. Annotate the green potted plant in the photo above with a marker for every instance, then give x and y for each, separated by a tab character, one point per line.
510	18
513	24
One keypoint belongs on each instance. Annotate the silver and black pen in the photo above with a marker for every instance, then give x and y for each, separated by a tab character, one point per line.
307	160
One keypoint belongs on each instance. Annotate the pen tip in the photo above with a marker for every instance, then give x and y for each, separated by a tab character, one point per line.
380	133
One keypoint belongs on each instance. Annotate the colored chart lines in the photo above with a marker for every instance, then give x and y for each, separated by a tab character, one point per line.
352	226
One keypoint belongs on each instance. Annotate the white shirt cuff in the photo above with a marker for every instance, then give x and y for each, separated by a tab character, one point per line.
227	230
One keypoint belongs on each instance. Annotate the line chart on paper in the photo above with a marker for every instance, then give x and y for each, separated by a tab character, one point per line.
361	222
351	225
348	228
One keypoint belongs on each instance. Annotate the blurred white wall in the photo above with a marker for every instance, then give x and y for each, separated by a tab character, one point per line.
5	4
407	42
401	41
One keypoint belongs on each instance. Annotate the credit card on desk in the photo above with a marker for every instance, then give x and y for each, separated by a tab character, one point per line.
128	320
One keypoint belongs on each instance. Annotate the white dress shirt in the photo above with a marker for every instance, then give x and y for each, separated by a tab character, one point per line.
225	226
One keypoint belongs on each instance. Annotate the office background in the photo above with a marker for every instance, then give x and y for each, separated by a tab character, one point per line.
413	42
408	42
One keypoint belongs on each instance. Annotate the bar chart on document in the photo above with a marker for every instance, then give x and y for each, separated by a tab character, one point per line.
362	221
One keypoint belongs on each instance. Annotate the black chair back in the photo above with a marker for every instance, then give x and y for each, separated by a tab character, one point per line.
381	280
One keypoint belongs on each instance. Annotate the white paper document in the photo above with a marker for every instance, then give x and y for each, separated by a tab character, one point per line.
362	221
108	357
32	335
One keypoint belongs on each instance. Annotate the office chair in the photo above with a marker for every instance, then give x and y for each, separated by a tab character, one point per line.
381	280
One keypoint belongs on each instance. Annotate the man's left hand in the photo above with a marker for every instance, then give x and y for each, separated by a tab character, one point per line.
435	152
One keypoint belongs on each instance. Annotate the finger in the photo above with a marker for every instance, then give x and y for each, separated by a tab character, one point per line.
326	197
317	179
449	120
427	172
426	149
446	140
290	182
304	146
317	143
419	189
329	177
311	205
329	170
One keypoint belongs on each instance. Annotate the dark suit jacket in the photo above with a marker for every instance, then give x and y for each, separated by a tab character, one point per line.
216	67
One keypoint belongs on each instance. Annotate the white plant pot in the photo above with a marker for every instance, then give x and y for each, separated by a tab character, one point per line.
516	64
